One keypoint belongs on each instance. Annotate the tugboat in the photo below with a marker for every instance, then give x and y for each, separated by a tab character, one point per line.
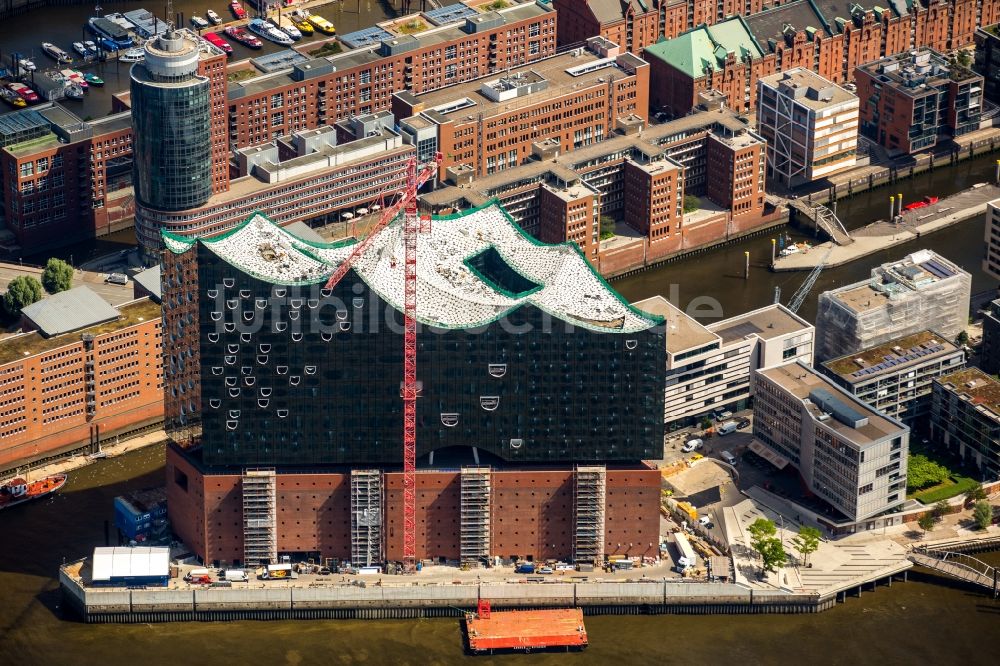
214	39
56	53
270	32
18	491
213	17
237	9
243	37
198	22
12	98
26	93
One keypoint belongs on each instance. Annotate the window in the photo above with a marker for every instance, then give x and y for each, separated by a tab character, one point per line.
365	77
277	101
43	164
450	71
27	169
451	52
277	119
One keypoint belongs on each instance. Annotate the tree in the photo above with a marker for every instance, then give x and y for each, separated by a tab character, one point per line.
21	292
691	203
926	522
807	541
922	472
57	276
768	546
975	493
983	514
941	509
962	339
607	227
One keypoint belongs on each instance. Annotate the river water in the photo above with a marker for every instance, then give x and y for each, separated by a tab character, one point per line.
927	620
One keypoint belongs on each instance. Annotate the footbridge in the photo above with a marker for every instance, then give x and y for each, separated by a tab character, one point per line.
825	219
957	565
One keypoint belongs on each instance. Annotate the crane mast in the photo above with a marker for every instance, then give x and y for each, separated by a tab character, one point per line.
409	389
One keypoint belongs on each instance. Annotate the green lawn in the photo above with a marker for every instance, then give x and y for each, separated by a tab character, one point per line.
954	486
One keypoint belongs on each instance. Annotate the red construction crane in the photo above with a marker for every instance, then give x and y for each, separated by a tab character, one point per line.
416	176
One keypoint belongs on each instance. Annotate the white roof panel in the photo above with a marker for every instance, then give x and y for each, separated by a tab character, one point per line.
110	563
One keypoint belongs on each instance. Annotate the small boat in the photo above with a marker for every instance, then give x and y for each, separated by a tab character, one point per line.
215	39
18	491
132	55
237	9
269	32
81	49
26	93
12	98
91	47
322	24
93	79
304	26
243	37
286	26
213	17
26	64
56	53
198	22
923	203
795	248
74	91
76	77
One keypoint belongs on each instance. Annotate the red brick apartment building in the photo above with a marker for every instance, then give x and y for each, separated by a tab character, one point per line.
825	36
640	177
573	100
76	388
532	512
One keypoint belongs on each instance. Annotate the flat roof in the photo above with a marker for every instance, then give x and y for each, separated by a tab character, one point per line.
813	85
984	390
769	322
18	347
683	331
801	380
69	310
911	274
118	562
913	350
553	70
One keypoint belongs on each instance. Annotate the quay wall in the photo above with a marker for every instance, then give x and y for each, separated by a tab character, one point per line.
104	605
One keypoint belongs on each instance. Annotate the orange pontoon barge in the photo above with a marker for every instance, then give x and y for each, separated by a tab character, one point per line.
524	631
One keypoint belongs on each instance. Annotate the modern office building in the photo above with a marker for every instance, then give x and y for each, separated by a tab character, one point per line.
810	125
991	258
639	175
82	374
922	291
63	179
896	377
527	359
987	60
914	99
709	367
965	418
309	176
989	350
574	100
848	454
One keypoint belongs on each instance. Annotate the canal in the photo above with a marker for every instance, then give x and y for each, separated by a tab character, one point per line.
927	620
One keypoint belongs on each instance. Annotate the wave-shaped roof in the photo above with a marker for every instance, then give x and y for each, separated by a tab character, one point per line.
451	291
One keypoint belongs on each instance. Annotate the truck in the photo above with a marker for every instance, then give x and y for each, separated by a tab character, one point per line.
687	559
525	568
727	428
235	576
277	572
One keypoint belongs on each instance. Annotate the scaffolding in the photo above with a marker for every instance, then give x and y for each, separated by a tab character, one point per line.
260	532
366	517
475	510
589	497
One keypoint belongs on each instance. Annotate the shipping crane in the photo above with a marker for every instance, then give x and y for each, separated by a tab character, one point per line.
416	176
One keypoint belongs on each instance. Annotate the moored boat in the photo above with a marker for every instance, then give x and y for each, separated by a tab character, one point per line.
215	39
74	91
213	17
76	77
12	98
26	93
285	25
18	491
304	26
133	55
322	24
117	36
243	37
237	9
269	32
56	53
198	22
91	47
25	64
93	79
81	49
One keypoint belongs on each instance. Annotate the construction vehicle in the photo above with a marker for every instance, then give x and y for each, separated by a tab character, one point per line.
406	201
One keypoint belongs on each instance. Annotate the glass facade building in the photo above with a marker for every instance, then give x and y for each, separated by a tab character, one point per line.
171	117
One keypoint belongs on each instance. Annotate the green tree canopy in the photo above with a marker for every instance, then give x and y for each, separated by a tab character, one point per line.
763	540
923	472
807	541
975	493
21	292
691	203
983	514
58	276
941	509
926	522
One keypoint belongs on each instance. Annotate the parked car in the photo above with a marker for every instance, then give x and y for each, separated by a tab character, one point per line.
116	278
545	570
692	445
525	568
743	423
728	457
722	414
562	566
